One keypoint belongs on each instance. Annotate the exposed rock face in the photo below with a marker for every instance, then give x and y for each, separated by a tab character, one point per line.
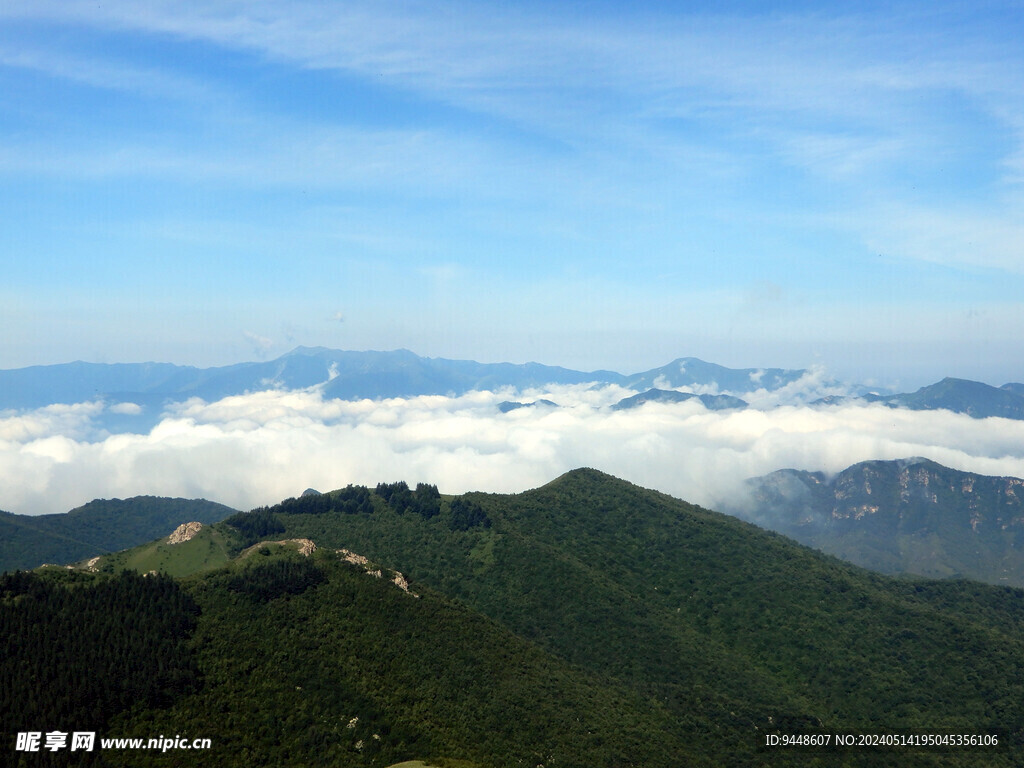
351	557
306	546
184	532
400	581
364	562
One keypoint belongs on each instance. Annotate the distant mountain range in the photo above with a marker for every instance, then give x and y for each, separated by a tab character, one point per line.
136	393
344	375
669	396
510	405
911	516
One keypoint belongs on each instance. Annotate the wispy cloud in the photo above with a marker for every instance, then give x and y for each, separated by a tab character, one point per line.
549	68
260	344
667	152
989	239
110	74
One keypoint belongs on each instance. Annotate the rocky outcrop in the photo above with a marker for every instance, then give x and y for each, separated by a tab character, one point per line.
305	547
351	557
184	532
364	562
400	581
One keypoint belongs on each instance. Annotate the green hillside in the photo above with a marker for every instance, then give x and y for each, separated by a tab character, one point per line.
585	623
735	630
311	661
327	665
99	527
208	549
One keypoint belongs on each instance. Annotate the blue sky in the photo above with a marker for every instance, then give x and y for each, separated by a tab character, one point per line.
573	183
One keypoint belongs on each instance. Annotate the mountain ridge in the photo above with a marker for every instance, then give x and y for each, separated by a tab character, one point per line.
341	373
136	393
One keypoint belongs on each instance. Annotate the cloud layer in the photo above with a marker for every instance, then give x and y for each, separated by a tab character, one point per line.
258	448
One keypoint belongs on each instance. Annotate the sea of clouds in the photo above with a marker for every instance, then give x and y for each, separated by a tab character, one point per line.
259	448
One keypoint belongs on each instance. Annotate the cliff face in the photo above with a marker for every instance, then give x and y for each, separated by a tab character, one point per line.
906	516
914	496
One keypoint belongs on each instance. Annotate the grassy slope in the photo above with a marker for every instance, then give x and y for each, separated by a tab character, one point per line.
99	527
210	548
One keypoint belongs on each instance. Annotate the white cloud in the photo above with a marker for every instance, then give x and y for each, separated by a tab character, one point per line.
73	421
259	448
127	409
113	75
814	384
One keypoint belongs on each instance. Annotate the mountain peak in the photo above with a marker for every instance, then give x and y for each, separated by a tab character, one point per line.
581	476
306	351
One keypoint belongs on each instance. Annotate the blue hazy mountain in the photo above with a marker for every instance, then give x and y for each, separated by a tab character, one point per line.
342	374
346	375
711	402
963	396
973	398
405	374
136	393
691	372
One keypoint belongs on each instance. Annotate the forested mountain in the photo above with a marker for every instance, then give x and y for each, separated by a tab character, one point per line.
99	527
910	516
79	650
587	622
